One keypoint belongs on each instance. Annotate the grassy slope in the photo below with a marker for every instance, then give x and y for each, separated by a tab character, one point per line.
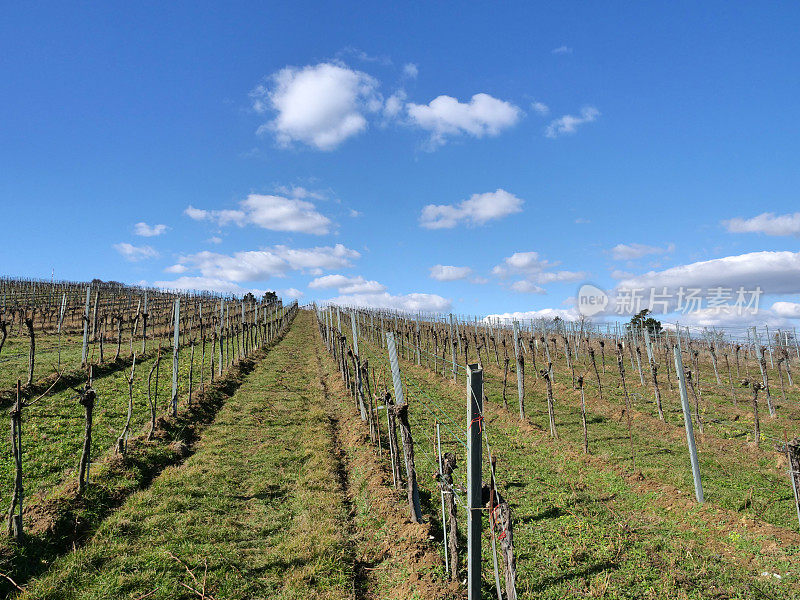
254	504
53	428
59	517
283	499
736	475
586	527
14	357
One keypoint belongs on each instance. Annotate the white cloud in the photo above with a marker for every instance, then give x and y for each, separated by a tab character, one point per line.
361	55
394	104
195	213
297	191
479	209
522	262
540	108
177	269
362	286
561	50
773	272
329	281
145	230
619	274
731	317
568	124
272	262
291	293
319	105
207	284
285	214
634	251
533	268
135	253
347	285
276	213
766	223
545	313
214	240
559	276
790	310
410	70
526	287
449	273
445	116
415	302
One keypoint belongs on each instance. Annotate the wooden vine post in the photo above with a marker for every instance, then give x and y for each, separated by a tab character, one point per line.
520	372
86	327
596	373
394	452
500	515
86	399
448	496
545	373
654	373
122	440
793	456
474	479
15	509
401	412
621	366
583	416
175	344
32	353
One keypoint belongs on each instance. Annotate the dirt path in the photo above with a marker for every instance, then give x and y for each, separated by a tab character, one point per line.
392	557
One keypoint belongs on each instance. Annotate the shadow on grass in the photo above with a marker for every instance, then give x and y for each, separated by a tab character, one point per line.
584	572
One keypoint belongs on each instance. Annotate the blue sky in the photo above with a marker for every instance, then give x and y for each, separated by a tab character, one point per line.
610	140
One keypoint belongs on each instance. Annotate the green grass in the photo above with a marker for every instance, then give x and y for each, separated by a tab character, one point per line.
14	358
256	505
284	499
583	528
736	476
56	516
53	427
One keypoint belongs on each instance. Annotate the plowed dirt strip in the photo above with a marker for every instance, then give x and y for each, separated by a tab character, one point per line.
393	558
254	513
